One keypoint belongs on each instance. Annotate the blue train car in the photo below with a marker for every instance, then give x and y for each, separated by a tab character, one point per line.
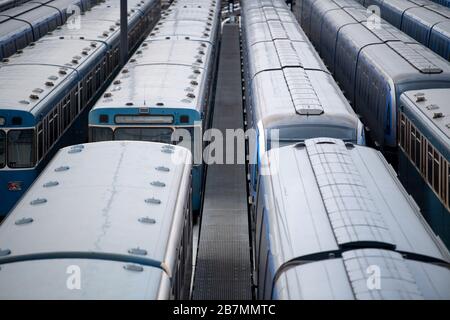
424	20
373	66
22	25
424	154
46	91
167	85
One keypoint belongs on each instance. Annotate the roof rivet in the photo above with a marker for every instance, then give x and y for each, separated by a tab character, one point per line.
125	71
194	83
62	71
34	96
129	103
24	102
116	82
163	169
160	104
107	95
191	95
49	84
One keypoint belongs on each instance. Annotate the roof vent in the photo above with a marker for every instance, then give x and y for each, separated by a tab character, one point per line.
129	103
5	252
163	169
138	251
116	82
38	201
34	96
23	221
50	184
24	102
62	71
191	95
432	107
420	97
53	78
62	168
160	104
147	220
153	201
49	84
158	184
125	71
438	115
194	83
107	95
133	267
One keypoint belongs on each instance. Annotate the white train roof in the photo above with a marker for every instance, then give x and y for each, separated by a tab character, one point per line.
114	197
341	196
295	95
99	279
350	274
23	86
273	30
279	54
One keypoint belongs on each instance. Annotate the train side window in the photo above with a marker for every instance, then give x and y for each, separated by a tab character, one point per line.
448	185
443	175
20	148
40	141
436	171
402	130
430	164
2	149
418	143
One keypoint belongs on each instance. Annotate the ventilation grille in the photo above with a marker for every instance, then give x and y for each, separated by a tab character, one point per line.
304	97
354	217
395	280
415	57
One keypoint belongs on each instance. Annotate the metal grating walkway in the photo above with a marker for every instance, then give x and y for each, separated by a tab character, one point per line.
223	269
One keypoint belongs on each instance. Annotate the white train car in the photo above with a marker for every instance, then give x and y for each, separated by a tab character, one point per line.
108	220
334	222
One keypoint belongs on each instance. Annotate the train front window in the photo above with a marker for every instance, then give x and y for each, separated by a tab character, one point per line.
2	149
21	153
163	135
101	134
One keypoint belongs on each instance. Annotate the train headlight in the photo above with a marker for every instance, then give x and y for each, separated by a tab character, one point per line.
15	186
2	121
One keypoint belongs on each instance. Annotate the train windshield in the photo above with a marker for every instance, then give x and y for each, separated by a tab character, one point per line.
291	134
163	135
2	148
20	148
101	134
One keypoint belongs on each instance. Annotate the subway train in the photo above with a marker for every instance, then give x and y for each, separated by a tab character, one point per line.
167	86
334	222
48	87
424	20
424	154
27	23
375	67
289	93
443	2
95	215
